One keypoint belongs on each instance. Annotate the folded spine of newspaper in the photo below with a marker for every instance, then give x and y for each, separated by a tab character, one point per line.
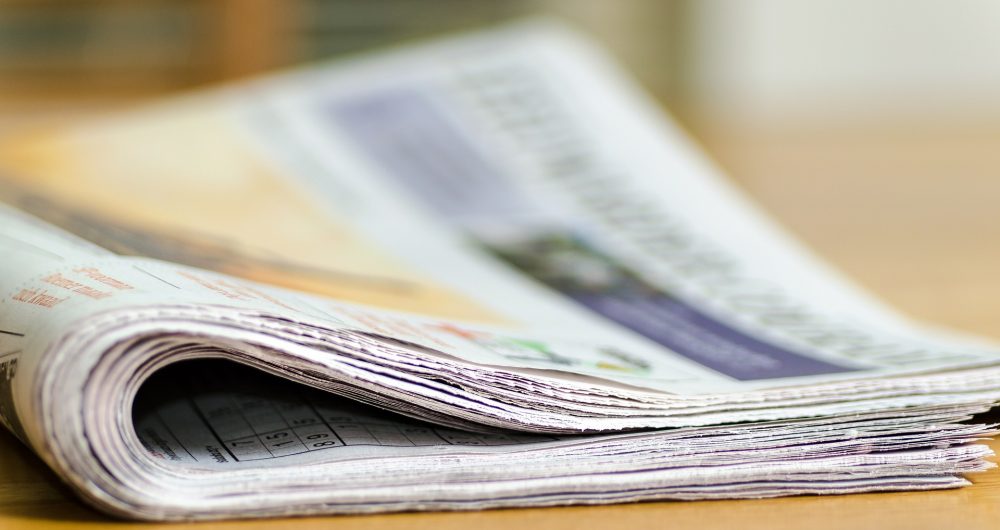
512	258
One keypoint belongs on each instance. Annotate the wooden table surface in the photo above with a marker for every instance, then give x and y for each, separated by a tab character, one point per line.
913	213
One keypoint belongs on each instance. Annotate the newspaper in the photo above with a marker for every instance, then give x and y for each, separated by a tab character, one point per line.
476	273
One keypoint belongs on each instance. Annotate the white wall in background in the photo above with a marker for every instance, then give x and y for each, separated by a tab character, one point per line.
830	57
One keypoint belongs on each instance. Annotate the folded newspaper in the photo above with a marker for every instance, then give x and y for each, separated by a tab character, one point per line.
479	273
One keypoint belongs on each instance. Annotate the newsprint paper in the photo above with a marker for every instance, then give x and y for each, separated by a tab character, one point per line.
477	273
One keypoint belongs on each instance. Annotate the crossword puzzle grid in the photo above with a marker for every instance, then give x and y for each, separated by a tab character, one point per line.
255	426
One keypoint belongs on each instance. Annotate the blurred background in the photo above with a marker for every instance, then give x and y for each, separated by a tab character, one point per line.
753	59
869	127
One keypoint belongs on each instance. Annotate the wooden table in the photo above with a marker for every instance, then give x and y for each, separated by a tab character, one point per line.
913	213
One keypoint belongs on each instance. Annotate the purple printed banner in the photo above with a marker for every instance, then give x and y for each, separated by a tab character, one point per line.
703	339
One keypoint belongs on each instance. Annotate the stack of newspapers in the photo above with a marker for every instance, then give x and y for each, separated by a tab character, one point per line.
483	272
